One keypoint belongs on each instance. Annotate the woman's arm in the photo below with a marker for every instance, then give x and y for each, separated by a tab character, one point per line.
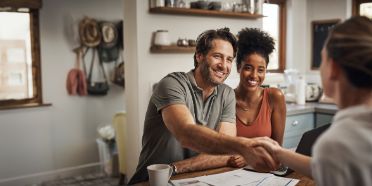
298	162
279	111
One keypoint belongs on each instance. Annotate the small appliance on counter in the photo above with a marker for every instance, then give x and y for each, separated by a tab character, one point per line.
313	92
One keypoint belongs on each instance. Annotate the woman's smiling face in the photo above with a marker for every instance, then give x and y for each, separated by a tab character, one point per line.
252	71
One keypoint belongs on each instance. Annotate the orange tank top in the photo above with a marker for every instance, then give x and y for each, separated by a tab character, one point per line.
261	126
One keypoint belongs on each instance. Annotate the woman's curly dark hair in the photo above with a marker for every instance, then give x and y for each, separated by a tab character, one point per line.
253	40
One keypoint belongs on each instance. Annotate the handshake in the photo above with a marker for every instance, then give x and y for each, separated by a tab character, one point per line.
262	153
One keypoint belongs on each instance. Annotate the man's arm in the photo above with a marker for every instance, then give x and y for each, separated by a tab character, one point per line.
180	123
201	162
207	161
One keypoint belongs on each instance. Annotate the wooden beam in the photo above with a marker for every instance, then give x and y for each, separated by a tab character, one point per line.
32	4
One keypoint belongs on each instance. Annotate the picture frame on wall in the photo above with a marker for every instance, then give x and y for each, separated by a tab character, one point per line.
319	33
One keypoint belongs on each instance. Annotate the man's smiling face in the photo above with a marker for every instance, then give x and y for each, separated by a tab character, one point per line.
215	66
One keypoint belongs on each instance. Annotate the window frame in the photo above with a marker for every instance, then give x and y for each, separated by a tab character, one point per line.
36	99
282	34
356	4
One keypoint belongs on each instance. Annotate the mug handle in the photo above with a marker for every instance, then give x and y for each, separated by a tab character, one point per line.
170	172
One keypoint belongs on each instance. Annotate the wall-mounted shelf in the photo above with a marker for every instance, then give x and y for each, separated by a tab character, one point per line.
201	12
171	49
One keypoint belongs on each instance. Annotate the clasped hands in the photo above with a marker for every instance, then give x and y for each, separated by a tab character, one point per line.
260	153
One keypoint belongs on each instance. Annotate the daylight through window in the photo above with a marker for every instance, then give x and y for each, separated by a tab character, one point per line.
20	70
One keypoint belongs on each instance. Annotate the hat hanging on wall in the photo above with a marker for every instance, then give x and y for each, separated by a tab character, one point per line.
108	49
89	32
109	34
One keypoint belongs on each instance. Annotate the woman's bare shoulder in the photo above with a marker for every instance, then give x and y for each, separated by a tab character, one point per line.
276	96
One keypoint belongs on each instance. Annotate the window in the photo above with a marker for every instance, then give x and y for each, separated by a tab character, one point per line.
20	70
274	23
362	7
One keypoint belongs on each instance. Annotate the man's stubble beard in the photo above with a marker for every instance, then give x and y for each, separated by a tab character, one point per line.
205	70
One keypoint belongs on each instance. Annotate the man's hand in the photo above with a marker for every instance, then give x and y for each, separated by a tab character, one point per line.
270	145
256	156
236	161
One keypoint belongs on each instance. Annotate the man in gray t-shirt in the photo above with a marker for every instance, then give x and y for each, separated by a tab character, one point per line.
183	102
159	145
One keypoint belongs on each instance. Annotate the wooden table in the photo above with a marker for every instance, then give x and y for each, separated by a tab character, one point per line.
304	181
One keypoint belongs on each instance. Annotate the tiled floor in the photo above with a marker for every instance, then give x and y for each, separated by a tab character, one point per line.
93	179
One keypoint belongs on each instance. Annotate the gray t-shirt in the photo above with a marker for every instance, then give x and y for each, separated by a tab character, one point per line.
158	144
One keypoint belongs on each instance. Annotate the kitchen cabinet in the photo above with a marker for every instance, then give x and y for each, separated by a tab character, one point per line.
322	119
302	118
202	12
295	126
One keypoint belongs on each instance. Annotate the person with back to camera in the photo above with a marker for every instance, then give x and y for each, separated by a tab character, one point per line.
186	109
342	154
259	111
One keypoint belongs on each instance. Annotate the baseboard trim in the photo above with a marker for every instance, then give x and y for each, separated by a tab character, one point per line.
37	178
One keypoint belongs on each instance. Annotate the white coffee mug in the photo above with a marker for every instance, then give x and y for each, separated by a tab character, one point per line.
159	174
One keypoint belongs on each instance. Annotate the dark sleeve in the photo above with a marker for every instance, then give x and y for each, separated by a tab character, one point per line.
168	91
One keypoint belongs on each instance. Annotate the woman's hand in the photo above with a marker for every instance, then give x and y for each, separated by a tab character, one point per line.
257	156
270	145
236	161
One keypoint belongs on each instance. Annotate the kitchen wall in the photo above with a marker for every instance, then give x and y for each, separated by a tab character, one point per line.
321	10
44	142
39	143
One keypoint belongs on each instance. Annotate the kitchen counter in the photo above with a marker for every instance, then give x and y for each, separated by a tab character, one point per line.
294	109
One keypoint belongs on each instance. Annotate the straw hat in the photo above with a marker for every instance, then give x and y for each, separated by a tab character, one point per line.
109	34
89	32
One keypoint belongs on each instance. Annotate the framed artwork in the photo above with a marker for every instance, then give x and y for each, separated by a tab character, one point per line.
319	33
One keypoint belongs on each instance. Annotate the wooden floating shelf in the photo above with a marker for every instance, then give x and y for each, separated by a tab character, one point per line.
171	49
202	12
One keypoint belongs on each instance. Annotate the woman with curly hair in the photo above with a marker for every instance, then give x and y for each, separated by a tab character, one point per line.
259	111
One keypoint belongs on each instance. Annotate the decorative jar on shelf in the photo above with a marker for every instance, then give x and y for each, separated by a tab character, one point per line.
159	3
162	38
258	6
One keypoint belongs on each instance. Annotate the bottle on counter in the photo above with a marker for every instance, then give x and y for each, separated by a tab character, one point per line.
300	90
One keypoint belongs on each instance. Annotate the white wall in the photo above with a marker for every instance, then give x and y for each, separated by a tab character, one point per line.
296	34
321	10
147	68
300	15
39	142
